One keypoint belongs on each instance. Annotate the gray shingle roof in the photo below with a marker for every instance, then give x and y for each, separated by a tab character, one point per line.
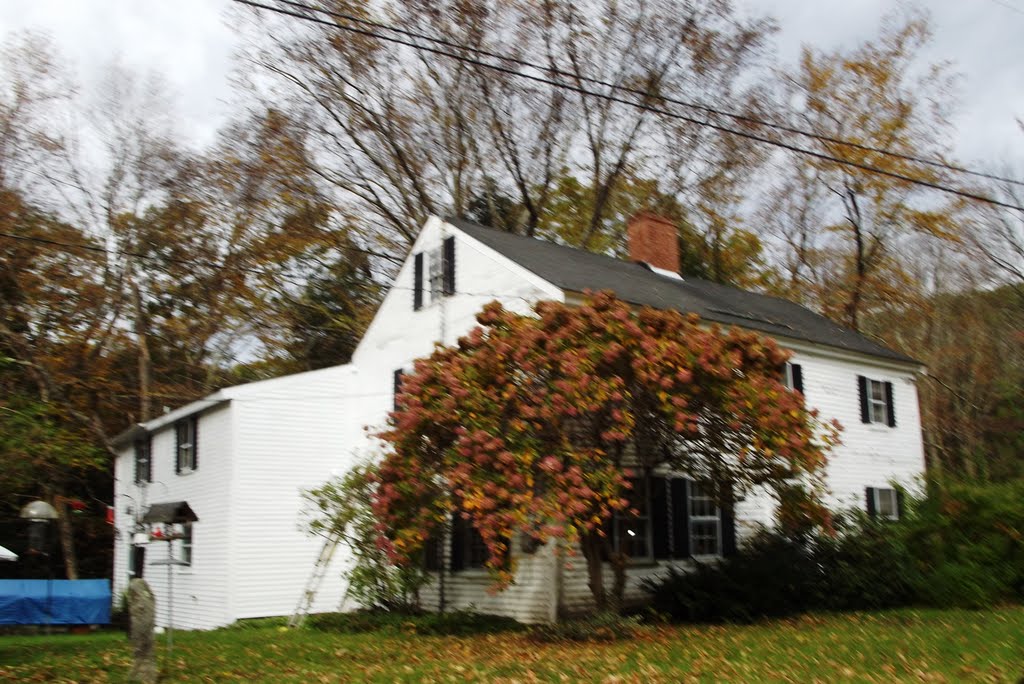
576	270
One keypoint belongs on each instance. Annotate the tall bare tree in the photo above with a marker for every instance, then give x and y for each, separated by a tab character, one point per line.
403	133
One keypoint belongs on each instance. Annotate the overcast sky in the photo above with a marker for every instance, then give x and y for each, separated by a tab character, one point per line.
189	42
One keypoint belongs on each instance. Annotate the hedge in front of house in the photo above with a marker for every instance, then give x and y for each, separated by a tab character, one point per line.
960	546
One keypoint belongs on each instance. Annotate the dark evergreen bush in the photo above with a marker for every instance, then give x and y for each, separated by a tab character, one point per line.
769	577
961	546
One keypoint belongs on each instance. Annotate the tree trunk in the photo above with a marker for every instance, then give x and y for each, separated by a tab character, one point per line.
619	562
145	364
592	544
854	303
67	539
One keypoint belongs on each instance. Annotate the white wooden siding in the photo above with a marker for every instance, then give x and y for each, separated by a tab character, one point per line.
202	590
398	335
257	452
288	439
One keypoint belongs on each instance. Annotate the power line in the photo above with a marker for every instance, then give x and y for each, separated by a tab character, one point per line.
1014	8
742	118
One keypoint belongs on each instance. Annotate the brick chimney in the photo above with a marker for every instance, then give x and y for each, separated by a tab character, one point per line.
654	241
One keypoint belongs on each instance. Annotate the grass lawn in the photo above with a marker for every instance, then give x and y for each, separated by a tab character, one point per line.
904	645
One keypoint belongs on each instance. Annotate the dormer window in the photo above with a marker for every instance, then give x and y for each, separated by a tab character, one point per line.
434	272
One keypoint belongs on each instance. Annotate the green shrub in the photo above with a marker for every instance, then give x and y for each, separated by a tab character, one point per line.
769	577
602	627
866	566
961	546
968	542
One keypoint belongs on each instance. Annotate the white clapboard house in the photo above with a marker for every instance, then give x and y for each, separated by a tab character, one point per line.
257	445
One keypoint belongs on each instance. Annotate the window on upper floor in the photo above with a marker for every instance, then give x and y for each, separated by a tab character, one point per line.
884	503
876	402
434	274
793	376
144	459
186	445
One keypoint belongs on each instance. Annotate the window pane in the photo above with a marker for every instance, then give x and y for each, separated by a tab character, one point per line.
704	538
877	390
182	533
435	271
886	500
704	523
632	537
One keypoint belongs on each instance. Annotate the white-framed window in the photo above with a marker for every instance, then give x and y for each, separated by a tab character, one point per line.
886	503
185	544
186	446
876	401
143	459
434	274
878	410
705	522
793	376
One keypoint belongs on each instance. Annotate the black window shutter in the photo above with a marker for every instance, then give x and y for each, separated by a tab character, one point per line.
890	409
448	266
417	285
862	388
899	504
680	518
870	493
398	385
195	442
178	429
728	513
149	458
460	531
138	461
798	377
659	518
432	552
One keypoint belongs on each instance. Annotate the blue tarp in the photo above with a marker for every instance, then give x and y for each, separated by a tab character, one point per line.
54	602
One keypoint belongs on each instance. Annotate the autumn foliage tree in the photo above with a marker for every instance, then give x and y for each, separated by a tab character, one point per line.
848	231
532	424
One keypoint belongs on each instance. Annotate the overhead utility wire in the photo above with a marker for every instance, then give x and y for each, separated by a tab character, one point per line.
743	118
639	105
